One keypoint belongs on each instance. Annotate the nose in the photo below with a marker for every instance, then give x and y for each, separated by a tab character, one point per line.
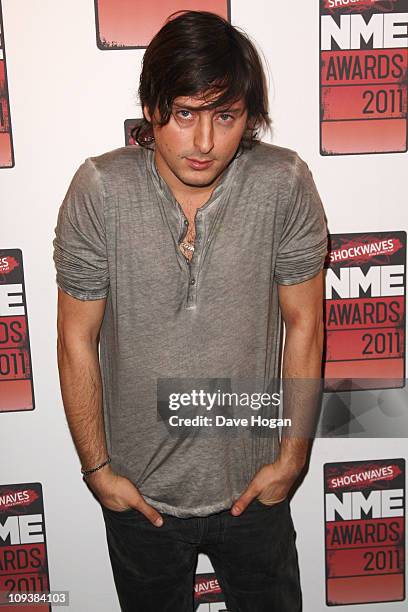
204	133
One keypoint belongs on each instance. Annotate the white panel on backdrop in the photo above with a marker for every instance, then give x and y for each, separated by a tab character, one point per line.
68	101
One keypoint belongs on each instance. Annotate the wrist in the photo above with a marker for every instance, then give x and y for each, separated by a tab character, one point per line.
98	480
86	473
293	453
290	465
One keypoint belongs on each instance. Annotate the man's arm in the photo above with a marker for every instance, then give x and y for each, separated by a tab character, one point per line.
302	310
77	349
79	322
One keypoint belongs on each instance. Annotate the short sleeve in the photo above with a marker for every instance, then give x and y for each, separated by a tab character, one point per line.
303	244
80	254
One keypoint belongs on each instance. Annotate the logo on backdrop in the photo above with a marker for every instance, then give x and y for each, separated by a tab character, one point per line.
135	24
363	76
208	596
23	545
365	311
6	142
16	382
365	531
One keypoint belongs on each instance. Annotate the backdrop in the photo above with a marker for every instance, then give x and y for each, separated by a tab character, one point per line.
338	85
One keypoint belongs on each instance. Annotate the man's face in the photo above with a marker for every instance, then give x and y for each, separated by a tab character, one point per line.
195	146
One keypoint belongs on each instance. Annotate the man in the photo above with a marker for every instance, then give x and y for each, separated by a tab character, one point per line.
182	254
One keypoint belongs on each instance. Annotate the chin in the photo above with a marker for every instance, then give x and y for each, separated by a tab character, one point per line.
198	178
198	182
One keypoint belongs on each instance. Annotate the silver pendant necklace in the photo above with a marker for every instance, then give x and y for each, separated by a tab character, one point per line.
187	249
187	246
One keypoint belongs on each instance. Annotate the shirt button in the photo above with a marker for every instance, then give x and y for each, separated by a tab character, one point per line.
192	282
185	222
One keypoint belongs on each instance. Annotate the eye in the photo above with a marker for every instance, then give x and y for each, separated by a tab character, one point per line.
225	117
184	114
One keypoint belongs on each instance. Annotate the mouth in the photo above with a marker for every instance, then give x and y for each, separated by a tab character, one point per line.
199	165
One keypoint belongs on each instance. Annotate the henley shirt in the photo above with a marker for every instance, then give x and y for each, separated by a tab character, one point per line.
117	237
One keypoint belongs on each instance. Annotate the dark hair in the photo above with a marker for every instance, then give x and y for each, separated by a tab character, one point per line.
197	53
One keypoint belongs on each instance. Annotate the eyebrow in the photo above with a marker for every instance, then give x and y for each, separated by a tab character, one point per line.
197	108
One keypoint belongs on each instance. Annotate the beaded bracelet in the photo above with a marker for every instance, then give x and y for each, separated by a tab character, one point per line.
86	473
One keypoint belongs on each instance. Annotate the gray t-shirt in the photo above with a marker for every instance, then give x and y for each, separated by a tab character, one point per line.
217	317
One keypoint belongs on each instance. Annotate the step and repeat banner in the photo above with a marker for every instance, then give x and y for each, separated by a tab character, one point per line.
338	78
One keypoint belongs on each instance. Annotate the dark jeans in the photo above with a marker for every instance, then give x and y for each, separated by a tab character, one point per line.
253	555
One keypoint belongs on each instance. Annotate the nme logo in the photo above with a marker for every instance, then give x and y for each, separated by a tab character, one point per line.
378	281
11	300
380	31
26	529
354	505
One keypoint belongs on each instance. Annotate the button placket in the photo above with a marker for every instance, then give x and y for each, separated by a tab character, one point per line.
195	264
183	227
